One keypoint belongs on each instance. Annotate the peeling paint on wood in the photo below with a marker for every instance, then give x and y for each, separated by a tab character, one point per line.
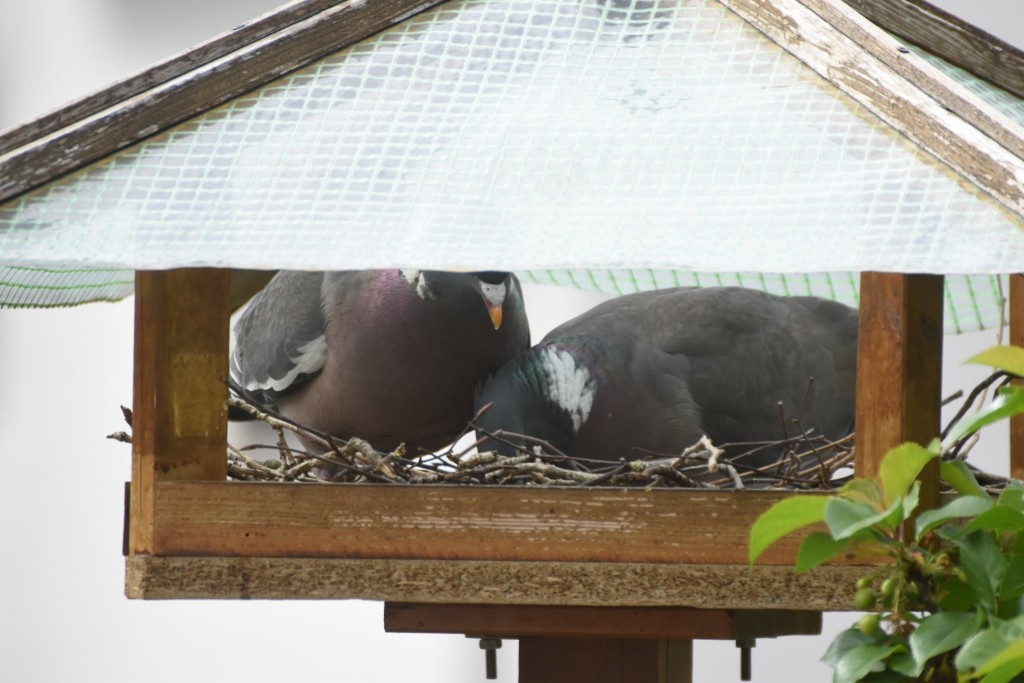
904	104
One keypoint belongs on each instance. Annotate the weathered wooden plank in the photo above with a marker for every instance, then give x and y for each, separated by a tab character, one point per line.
471	522
514	621
162	72
179	420
1016	296
899	368
601	660
951	38
194	91
828	588
890	96
930	80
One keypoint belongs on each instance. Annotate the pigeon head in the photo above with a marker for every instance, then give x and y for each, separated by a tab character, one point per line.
546	392
455	292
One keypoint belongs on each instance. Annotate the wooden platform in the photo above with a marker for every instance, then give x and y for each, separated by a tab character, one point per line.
625	584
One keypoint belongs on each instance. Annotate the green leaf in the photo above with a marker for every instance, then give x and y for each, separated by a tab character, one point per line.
900	468
865	491
905	664
1009	401
998	519
887	676
955	595
957	474
1012	629
1012	654
980	649
1010	607
942	632
860	661
817	548
1006	358
1012	585
968	506
845	518
984	564
908	505
784	518
1005	673
846	641
1012	496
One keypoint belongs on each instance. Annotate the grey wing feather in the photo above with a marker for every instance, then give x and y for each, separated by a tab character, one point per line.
279	338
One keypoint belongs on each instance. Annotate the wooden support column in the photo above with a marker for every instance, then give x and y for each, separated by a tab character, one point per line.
899	369
1017	339
179	423
557	660
600	644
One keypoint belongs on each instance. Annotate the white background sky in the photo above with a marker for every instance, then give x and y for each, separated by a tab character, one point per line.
63	614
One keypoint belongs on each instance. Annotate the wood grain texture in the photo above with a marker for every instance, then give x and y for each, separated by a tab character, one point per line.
899	369
930	80
158	74
451	522
1016	297
179	419
889	95
252	63
949	37
514	621
605	584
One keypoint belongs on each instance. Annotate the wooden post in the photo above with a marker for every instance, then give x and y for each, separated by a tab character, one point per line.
1017	339
600	644
179	422
899	369
556	660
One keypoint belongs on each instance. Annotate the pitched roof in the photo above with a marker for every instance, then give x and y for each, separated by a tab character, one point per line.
627	143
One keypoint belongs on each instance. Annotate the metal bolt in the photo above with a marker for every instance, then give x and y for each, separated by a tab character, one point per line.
490	647
745	663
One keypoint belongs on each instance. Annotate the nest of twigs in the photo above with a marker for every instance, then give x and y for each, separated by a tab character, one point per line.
809	461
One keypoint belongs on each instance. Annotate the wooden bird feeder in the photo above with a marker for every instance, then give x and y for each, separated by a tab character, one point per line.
609	580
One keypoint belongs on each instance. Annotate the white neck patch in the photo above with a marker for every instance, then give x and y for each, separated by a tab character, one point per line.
569	386
416	279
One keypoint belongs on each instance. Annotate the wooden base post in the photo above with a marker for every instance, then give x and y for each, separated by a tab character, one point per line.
600	644
557	660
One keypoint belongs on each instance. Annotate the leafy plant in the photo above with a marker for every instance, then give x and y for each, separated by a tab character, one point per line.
950	605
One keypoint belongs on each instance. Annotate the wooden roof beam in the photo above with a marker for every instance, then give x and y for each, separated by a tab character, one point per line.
943	34
187	85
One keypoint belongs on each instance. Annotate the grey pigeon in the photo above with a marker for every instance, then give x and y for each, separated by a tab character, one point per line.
390	356
657	370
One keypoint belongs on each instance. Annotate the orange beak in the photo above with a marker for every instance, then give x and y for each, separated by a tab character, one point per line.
495	313
494	298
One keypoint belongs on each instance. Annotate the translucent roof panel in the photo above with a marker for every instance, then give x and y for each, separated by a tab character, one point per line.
530	134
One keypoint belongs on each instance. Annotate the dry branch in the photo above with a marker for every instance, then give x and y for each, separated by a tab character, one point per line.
809	461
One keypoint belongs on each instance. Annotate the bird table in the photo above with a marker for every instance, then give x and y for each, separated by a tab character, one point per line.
594	582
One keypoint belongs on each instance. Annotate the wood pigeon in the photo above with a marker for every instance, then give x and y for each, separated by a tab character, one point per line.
390	356
657	370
